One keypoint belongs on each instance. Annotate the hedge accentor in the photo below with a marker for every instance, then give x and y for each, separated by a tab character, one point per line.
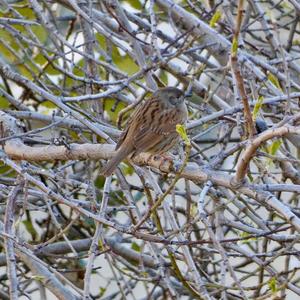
152	127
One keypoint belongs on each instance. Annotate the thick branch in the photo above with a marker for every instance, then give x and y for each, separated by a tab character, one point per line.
244	160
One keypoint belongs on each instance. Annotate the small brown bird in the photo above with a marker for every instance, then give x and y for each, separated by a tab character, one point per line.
152	127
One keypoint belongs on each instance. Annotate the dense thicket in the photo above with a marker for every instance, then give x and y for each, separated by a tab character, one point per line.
218	219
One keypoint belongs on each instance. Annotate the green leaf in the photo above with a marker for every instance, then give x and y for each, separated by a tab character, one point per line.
248	239
274	80
3	103
101	40
8	41
273	285
272	149
48	104
40	33
250	177
163	76
126	64
128	170
215	18
27	12
257	107
78	69
135	4
102	291
296	42
111	110
183	134
40	59
234	47
23	70
135	247
51	70
100	245
286	5
38	277
99	182
4	168
194	210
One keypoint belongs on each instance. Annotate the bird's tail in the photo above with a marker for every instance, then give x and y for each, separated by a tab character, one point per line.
110	167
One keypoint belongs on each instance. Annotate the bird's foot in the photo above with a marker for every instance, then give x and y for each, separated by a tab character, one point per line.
166	162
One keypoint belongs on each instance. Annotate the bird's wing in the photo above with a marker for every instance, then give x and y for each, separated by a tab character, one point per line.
149	125
163	124
137	121
129	125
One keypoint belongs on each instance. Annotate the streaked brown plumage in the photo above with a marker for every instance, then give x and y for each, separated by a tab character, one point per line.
152	127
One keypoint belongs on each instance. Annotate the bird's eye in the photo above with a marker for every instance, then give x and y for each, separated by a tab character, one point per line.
173	100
